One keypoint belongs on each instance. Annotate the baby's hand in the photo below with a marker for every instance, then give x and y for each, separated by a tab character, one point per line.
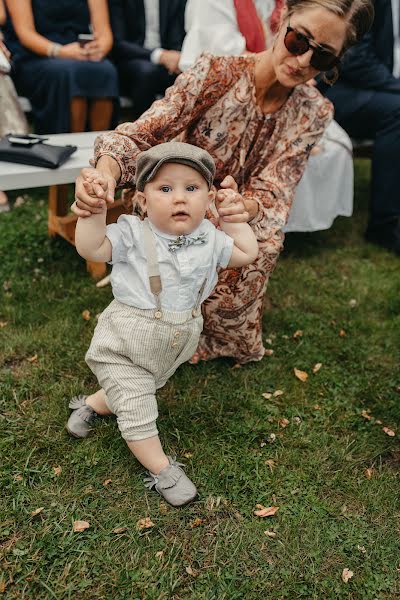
94	189
229	203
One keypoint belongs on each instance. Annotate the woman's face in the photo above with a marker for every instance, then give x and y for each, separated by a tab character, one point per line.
322	27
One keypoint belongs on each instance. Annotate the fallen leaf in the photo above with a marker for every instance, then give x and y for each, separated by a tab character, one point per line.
37	512
160	554
3	324
33	358
237	366
378	422
283	423
342	333
188	454
145	523
352	303
265	512
346	575
269	533
388	431
268	352
196	523
297	420
361	549
298	334
86	315
271	438
191	572
18	478
268	341
316	367
278	393
107	482
19	201
302	375
366	415
120	530
7	286
270	463
80	526
369	472
267	395
57	471
317	407
3	586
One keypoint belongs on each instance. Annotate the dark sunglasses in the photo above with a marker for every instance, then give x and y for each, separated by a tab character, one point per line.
297	44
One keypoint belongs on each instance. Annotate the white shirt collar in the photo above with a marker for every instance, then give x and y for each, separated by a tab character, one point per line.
169	236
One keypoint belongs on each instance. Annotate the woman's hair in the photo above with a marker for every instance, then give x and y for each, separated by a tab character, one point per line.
359	14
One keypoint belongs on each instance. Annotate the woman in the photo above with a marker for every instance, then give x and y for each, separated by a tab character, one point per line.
12	119
259	122
233	27
69	85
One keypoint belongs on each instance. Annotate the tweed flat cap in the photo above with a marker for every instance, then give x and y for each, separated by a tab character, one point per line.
149	161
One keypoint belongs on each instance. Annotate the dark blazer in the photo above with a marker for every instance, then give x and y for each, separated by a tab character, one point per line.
129	27
367	67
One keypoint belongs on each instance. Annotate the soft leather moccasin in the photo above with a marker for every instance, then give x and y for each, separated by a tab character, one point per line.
172	484
81	418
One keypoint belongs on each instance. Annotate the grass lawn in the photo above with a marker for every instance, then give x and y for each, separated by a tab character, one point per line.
333	473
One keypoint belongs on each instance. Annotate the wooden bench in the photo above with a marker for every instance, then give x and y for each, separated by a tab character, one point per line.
16	177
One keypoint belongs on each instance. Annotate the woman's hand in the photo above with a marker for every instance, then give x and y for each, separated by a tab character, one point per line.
94	189
73	51
99	48
231	206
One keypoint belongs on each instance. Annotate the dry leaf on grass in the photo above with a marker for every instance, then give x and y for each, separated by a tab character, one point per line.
369	472
267	395
268	352
361	549
297	420
271	438
3	586
191	571
342	333
160	554
316	367
57	471
237	366
145	523
120	530
107	482
269	533
278	393
3	324
33	358
86	315
346	575
378	422
196	523
298	334
302	375
352	303
284	422
265	511
80	526
366	415
270	463
388	431
37	512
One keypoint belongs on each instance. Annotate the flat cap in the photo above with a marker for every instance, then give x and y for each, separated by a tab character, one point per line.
149	161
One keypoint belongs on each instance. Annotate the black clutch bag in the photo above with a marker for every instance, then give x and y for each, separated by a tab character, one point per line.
31	150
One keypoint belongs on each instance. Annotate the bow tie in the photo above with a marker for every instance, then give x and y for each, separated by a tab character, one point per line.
186	240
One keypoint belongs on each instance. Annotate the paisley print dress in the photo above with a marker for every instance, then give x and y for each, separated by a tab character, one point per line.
213	105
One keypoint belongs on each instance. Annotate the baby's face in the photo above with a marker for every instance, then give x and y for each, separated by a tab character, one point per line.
176	199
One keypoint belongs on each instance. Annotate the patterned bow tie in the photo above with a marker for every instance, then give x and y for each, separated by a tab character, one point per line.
186	240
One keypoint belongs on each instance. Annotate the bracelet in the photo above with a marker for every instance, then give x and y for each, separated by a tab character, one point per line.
53	50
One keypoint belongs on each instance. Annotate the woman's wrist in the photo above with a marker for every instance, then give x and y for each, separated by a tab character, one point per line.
109	166
54	50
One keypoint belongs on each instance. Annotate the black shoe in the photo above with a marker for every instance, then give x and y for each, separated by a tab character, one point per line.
386	235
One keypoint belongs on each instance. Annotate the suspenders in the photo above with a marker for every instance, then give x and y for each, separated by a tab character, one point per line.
153	269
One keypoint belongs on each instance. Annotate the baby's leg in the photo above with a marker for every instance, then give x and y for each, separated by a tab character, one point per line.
149	453
98	402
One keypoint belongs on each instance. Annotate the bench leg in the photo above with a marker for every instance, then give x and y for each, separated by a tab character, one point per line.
58	206
96	269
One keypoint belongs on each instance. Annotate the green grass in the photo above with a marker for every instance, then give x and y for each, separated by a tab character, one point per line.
331	515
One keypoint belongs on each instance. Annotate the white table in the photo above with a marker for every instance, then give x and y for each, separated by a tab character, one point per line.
15	177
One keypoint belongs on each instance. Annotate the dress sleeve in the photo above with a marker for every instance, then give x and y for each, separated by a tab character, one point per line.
191	95
274	187
123	236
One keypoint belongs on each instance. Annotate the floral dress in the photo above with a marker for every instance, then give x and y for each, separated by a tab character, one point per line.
213	105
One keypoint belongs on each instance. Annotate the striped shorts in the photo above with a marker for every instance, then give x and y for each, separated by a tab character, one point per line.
133	354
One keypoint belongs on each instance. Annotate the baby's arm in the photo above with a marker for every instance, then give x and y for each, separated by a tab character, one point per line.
245	245
90	236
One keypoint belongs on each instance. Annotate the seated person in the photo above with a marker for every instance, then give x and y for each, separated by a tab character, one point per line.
148	37
69	86
367	105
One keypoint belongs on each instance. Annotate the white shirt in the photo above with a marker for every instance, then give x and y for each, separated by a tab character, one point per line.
182	272
396	38
152	40
211	25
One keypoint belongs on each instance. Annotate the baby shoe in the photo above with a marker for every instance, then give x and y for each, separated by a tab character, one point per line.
172	484
81	417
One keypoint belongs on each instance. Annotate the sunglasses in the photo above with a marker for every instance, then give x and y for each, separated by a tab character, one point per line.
297	44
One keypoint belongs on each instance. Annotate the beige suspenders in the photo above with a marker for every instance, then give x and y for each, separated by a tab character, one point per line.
153	270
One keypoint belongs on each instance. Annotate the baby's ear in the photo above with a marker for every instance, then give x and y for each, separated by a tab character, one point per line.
211	195
141	199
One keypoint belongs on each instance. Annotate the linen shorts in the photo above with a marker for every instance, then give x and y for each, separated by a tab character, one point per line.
133	354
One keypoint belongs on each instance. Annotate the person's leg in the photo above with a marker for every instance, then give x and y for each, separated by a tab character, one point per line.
144	81
380	118
79	108
149	453
100	114
98	401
